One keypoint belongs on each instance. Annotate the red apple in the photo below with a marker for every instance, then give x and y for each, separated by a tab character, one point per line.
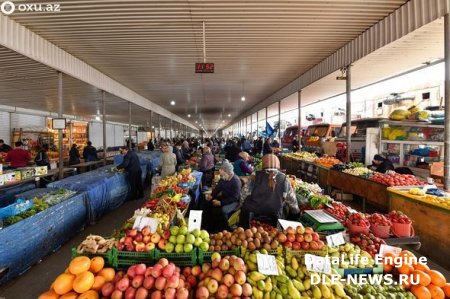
308	237
287	244
282	238
315	236
299	238
291	237
309	230
296	245
305	245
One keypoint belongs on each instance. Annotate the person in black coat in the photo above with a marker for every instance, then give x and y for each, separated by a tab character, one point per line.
4	148
42	157
132	166
150	146
267	149
178	154
232	152
259	146
381	164
90	153
74	155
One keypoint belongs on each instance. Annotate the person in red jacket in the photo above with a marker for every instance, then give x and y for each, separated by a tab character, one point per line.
18	157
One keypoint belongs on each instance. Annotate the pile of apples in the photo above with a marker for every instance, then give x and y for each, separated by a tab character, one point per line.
163	280
358	219
225	279
143	240
182	241
399	217
368	242
396	179
300	238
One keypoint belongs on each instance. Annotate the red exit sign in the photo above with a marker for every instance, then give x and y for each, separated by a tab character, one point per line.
206	67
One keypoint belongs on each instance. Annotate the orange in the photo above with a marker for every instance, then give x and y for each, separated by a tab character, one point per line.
97	263
446	289
79	265
421	292
70	295
63	283
99	281
421	267
436	292
387	268
390	260
405	269
83	282
424	278
107	273
407	257
437	278
89	295
406	283
49	295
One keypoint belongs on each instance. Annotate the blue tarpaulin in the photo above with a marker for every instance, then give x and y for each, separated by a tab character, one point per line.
7	195
196	188
149	160
25	243
106	190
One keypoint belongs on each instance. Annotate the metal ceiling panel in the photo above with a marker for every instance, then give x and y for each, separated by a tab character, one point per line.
257	46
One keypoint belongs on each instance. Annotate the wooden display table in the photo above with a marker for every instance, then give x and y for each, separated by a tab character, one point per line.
37	179
430	223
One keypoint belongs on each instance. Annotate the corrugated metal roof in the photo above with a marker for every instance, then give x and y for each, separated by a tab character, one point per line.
258	46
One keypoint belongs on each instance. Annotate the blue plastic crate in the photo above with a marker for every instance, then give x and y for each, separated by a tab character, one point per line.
21	205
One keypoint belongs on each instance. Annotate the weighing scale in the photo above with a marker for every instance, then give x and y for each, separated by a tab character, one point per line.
321	221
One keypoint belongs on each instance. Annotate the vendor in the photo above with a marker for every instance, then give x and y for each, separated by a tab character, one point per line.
272	197
206	166
381	164
150	146
224	199
186	150
18	157
267	149
178	154
132	166
295	146
167	162
74	155
4	148
90	153
42	157
241	166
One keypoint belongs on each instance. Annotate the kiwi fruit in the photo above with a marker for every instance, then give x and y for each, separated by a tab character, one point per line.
228	243
212	242
239	242
224	247
267	247
211	248
274	244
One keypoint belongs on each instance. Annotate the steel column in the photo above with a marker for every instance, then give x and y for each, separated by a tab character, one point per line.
60	132
279	122
129	125
447	102
348	111
299	118
104	125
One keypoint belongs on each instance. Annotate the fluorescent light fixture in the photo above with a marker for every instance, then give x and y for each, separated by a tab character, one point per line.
243	99
189	115
97	118
172	103
196	122
229	115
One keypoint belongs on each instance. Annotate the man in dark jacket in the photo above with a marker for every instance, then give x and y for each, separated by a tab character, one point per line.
90	153
178	154
42	157
259	146
232	152
381	164
267	149
4	148
132	166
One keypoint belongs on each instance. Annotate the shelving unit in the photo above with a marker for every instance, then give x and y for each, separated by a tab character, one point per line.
414	135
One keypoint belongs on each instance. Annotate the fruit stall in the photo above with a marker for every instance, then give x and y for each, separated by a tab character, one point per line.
431	214
157	254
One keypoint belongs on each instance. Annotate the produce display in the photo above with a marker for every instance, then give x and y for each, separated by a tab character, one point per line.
378	291
251	239
368	242
57	196
181	240
142	240
349	256
396	179
305	156
399	217
338	210
327	161
300	238
38	206
94	244
359	171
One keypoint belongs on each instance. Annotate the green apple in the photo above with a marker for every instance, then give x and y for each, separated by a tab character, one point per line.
174	230
190	238
179	248
183	230
198	241
204	234
169	247
204	246
181	239
173	239
188	248
196	232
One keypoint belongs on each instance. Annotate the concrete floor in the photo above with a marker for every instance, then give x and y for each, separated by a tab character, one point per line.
38	279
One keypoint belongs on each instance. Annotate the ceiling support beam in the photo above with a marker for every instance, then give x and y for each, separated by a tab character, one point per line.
299	119
24	41
129	126
60	132
104	125
348	110
447	103
409	17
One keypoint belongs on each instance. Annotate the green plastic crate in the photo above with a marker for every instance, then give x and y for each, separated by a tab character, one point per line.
179	259
107	256
278	251
205	256
300	254
125	259
355	271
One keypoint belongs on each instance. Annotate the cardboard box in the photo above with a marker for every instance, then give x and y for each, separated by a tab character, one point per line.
342	196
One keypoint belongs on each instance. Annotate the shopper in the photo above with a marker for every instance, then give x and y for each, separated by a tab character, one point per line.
167	162
259	146
267	149
74	155
381	164
4	148
150	146
275	143
186	150
232	152
246	146
18	157
178	155
132	166
41	158
295	145
272	196
90	153
224	200
206	166
241	165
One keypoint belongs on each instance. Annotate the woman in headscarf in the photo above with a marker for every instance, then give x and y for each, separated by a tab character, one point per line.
224	199
206	166
186	150
167	162
272	196
241	166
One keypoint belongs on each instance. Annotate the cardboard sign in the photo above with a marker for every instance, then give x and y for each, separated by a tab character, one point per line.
386	248
267	264
140	222
335	239
286	223
317	264
195	220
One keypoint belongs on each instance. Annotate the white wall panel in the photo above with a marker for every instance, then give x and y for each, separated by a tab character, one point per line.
27	121
5	130
119	138
109	135
96	134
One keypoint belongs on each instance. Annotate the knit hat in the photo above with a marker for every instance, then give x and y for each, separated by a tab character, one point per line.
270	161
227	167
244	155
378	158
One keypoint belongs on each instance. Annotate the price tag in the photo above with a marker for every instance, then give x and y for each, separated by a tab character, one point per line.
335	239
140	222
386	248
286	223
317	264
267	264
195	220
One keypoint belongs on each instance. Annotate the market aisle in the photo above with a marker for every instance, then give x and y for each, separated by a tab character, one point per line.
39	277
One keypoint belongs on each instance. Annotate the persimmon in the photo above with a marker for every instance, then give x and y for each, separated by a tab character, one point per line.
421	292
437	278
436	292
446	289
423	278
422	267
405	269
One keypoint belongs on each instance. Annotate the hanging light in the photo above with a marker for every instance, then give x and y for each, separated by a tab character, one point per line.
243	99
172	103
